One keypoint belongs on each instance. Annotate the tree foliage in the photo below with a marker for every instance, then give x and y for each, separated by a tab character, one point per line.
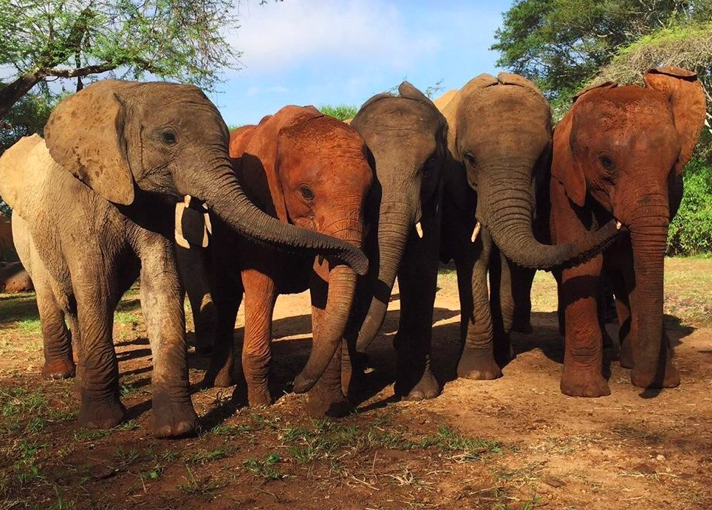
183	40
563	44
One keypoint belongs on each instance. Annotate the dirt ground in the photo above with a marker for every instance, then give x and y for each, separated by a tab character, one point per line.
513	443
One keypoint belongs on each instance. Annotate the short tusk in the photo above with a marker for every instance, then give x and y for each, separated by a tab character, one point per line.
419	230
476	231
618	225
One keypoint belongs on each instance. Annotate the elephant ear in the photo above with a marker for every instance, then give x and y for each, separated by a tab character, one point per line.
13	164
85	135
687	100
564	166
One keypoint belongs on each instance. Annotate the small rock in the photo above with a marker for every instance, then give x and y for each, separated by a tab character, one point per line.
660	457
645	469
553	482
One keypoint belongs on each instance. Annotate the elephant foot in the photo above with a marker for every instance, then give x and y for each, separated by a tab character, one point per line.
101	414
426	388
670	379
258	395
173	418
327	403
221	379
478	365
625	355
59	369
580	383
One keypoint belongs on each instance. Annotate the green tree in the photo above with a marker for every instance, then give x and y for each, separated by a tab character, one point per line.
563	44
183	40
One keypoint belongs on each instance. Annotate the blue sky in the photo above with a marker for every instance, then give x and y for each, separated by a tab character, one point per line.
344	51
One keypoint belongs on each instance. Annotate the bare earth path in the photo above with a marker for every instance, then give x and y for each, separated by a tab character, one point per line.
512	443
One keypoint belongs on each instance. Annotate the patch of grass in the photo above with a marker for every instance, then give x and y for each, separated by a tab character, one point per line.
464	449
203	488
19	401
265	468
90	435
30	326
25	452
125	458
204	456
225	430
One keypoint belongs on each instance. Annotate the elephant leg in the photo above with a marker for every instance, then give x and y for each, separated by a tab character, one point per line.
502	306
522	281
260	298
583	354
417	280
57	339
227	296
192	266
627	317
477	359
162	307
97	369
326	398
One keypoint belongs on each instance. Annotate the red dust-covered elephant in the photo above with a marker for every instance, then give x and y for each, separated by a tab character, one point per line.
619	154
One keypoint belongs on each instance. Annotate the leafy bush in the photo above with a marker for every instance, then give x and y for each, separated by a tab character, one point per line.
691	231
340	112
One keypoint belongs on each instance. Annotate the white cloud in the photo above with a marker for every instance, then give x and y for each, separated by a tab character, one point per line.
281	36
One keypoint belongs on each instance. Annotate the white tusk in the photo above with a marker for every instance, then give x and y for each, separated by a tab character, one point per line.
419	230
476	231
618	225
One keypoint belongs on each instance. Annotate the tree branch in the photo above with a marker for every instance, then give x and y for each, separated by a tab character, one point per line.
82	71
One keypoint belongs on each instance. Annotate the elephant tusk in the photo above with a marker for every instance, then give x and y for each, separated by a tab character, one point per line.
419	230
476	231
618	225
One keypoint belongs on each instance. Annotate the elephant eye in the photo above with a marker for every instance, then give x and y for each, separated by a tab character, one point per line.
168	137
607	163
307	193
470	158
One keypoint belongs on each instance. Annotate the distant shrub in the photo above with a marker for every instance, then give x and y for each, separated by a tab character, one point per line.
340	112
691	231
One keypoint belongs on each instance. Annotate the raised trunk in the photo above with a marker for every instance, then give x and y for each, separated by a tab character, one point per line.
505	208
329	328
225	197
649	240
394	225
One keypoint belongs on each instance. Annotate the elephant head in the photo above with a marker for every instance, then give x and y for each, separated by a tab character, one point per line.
318	173
407	136
121	137
500	134
625	147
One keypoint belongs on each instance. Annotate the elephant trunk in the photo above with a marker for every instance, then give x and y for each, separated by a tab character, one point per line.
394	226
225	197
330	323
648	230
505	208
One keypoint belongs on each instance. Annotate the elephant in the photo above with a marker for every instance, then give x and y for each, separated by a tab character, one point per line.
499	149
193	235
619	154
300	167
406	135
94	205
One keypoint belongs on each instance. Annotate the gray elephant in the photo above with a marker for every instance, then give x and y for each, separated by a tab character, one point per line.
407	137
499	145
96	207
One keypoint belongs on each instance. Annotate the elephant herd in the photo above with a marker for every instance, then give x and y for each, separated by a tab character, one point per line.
144	180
